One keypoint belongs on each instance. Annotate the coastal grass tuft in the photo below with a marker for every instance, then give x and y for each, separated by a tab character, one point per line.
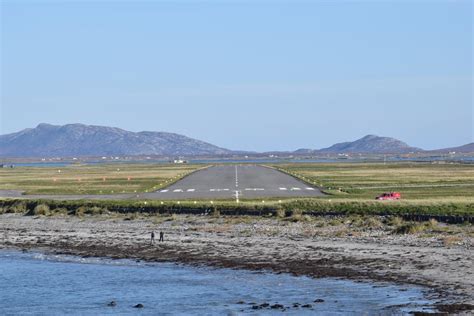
416	227
41	209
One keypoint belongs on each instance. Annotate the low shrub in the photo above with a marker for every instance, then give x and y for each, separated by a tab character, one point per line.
215	212
395	221
415	227
41	209
17	207
280	213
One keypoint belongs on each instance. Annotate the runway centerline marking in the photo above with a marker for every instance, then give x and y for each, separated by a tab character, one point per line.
295	189
311	189
178	190
283	189
164	191
236	177
254	189
190	190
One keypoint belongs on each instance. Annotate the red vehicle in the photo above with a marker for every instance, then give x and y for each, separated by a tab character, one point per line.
389	196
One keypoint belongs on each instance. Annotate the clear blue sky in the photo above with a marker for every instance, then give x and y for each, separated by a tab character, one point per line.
251	75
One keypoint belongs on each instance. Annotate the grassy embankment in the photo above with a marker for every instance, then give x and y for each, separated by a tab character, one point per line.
93	179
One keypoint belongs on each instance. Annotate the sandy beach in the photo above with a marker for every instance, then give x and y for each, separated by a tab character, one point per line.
318	248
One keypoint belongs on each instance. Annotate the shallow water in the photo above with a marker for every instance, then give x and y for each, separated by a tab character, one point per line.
38	284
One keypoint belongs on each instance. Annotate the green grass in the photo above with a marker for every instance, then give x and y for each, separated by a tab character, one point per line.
93	179
364	181
272	208
427	189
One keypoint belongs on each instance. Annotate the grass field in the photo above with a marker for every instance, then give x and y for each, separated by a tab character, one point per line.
436	189
93	179
364	181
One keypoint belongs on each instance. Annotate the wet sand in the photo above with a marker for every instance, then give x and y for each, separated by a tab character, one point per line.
301	248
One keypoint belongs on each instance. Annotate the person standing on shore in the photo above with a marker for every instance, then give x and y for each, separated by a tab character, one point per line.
162	236
152	237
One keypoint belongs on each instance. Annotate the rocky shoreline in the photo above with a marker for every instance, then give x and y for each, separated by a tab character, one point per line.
301	248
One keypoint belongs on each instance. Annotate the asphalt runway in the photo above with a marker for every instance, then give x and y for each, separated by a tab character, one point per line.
235	182
219	182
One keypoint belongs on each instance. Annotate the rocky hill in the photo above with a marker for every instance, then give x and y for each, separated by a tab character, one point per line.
468	148
75	140
369	144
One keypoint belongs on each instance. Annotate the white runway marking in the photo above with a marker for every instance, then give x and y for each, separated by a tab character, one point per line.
218	190
164	191
178	190
236	178
295	189
190	190
254	189
283	189
310	189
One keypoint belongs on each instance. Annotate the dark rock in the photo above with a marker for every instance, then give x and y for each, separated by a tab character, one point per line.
264	305
307	306
319	300
455	308
296	305
277	306
112	304
240	302
138	306
256	307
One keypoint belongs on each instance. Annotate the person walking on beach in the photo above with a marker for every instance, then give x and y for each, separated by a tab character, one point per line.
162	235
152	237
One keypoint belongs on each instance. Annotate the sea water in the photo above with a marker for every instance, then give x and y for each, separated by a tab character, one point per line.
39	284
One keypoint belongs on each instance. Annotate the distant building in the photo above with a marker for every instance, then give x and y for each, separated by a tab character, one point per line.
179	161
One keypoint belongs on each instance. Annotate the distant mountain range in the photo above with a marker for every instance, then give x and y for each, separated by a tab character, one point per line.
79	140
75	140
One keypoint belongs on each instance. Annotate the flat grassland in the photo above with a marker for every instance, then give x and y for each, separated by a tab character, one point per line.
93	179
427	189
365	181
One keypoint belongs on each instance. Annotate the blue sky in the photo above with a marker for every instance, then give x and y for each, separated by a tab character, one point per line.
251	75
